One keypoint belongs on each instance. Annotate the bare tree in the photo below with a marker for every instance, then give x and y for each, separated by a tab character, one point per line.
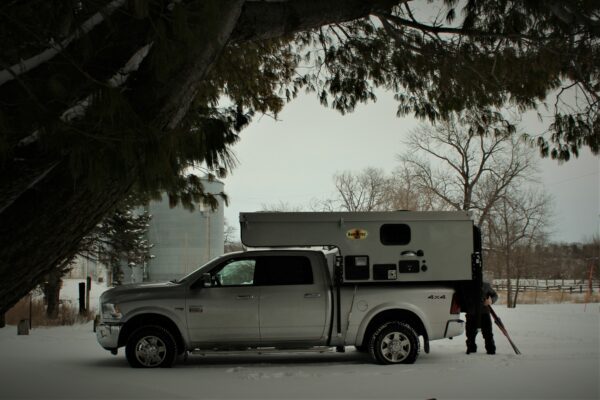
406	192
466	163
231	242
365	191
371	189
280	206
475	163
517	223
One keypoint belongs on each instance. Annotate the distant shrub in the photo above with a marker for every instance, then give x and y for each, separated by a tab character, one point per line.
68	314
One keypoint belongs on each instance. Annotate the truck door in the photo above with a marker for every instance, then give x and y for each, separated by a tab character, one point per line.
294	300
227	310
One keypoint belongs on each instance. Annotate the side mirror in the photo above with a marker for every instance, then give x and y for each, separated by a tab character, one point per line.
206	280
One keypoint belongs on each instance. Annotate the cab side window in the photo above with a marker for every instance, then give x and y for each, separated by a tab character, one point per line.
235	273
284	270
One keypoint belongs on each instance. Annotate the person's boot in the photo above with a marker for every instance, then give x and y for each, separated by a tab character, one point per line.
471	347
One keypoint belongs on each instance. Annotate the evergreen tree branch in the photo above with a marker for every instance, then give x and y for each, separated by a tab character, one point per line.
27	65
456	31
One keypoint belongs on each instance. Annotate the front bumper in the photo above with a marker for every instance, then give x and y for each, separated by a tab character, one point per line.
108	336
454	327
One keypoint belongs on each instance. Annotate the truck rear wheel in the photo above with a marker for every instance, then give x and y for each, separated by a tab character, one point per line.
151	347
394	343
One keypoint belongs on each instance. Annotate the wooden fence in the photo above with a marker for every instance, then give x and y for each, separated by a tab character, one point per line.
533	291
570	288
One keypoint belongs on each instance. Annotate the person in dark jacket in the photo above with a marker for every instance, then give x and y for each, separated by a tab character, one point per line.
478	316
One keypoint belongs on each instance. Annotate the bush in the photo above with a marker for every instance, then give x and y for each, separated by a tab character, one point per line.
68	314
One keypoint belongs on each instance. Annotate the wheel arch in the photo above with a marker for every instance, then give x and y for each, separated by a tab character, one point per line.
381	316
152	319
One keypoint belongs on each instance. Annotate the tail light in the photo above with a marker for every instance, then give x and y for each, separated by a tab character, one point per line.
455	307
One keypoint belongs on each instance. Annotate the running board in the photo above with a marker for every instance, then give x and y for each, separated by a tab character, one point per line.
263	350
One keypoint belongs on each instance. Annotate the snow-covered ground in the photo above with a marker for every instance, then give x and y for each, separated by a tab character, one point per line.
560	360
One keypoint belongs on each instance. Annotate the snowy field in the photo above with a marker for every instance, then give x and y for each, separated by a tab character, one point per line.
560	360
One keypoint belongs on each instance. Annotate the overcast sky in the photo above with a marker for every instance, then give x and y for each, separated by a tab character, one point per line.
293	160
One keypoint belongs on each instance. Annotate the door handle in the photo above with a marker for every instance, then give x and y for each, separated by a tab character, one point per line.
312	295
245	297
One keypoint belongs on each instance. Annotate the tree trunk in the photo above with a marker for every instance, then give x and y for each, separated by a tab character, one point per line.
514	304
45	210
52	293
509	296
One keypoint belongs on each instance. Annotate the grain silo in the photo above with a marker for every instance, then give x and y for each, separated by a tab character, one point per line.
184	240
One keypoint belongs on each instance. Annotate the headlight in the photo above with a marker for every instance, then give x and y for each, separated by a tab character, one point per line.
111	312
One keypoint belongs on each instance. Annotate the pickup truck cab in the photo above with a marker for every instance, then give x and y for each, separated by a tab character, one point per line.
279	299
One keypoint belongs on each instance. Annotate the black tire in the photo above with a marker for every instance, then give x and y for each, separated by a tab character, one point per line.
394	343
151	347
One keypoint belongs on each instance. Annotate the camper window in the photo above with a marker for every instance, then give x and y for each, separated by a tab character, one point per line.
394	234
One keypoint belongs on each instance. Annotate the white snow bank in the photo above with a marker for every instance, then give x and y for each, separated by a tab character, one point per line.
560	360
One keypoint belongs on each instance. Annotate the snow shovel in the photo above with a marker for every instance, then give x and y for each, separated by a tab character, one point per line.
501	326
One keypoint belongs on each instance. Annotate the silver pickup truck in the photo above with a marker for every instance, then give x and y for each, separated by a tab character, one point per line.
273	299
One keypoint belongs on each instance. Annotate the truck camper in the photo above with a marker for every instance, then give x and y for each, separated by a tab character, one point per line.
382	282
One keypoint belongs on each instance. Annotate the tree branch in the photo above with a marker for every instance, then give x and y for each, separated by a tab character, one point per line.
27	65
455	31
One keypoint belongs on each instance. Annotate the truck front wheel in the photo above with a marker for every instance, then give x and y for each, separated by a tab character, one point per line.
394	343
151	347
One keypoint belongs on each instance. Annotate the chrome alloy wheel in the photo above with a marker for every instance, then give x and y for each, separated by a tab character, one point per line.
150	351
395	347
